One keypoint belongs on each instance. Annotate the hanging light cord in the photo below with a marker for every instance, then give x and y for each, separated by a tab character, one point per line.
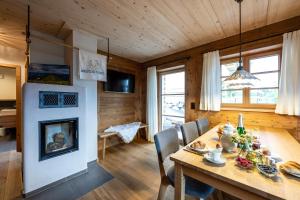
28	41
240	19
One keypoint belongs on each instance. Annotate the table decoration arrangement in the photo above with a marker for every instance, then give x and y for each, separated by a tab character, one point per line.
252	155
250	152
255	168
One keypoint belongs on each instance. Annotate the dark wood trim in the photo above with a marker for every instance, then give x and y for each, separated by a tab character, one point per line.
179	61
270	34
18	105
261	45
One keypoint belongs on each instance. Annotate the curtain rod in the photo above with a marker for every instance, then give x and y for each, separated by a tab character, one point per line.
243	43
178	59
227	47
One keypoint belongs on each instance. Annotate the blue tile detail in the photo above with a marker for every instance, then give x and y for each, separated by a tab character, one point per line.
52	99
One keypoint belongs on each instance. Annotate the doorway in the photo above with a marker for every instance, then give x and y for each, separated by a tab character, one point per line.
10	107
171	98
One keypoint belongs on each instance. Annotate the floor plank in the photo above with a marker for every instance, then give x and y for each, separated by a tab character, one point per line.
136	172
134	167
10	175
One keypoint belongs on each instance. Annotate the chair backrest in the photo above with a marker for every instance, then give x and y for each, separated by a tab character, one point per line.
166	143
189	132
203	125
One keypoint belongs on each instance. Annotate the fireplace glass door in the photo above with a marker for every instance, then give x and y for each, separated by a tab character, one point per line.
58	137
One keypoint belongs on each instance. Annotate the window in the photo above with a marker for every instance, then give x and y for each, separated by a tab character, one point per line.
266	67
230	96
172	95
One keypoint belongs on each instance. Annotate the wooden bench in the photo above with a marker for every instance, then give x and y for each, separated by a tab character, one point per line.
103	136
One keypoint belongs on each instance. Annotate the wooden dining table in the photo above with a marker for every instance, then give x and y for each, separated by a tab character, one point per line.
241	183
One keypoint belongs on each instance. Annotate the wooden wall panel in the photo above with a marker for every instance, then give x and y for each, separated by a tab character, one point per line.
273	120
118	108
258	38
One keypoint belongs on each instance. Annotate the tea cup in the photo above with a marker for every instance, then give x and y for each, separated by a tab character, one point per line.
215	154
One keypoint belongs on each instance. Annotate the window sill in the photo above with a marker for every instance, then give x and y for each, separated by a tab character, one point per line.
265	110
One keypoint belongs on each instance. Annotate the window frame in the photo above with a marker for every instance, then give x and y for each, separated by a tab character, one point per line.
246	91
160	95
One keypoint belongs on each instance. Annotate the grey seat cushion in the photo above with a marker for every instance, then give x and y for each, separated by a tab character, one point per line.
192	187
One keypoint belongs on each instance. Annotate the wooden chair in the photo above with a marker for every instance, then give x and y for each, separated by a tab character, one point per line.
166	143
189	132
203	125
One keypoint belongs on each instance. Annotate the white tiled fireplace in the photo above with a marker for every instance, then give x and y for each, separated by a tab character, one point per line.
39	173
42	172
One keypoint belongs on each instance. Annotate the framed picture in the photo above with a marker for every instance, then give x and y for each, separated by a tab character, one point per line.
49	74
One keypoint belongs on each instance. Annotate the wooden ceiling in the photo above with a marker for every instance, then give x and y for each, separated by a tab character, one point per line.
142	30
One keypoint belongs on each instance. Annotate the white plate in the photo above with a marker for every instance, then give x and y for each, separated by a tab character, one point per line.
202	151
296	175
290	173
218	162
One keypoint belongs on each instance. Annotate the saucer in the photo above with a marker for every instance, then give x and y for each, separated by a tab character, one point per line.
218	162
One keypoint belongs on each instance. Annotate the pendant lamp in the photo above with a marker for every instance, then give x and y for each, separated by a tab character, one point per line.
240	78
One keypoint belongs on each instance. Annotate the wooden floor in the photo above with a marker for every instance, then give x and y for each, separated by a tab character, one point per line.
136	173
134	167
10	175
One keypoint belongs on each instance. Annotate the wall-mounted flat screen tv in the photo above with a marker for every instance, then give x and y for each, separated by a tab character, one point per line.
119	82
49	74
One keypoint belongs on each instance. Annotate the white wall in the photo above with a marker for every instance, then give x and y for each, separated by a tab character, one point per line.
8	83
87	42
40	173
45	52
14	56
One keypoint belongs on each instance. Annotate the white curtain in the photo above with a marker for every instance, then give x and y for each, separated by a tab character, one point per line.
289	86
152	113
210	97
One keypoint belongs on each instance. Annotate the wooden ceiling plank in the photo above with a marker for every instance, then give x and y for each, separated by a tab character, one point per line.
205	18
145	29
263	33
229	19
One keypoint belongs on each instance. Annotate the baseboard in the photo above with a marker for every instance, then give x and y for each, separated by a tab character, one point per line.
51	185
92	162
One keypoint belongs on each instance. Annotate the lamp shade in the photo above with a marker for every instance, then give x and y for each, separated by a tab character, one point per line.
241	79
